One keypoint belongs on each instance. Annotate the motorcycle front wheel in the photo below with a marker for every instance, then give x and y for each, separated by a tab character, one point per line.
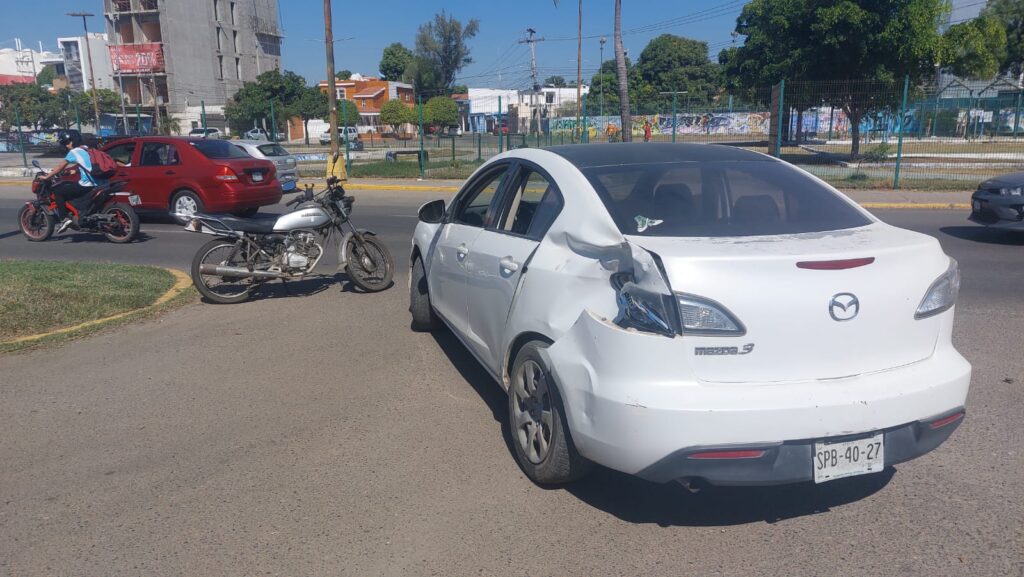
124	224
369	263
222	290
36	225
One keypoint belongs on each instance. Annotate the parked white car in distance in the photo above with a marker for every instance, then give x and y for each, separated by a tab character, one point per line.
212	133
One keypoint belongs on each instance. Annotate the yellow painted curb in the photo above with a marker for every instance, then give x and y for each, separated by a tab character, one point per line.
353	186
918	205
15	183
182	282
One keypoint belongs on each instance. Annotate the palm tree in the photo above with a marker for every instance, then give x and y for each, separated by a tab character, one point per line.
620	67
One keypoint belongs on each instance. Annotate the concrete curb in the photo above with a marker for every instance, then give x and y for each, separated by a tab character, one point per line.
917	205
182	282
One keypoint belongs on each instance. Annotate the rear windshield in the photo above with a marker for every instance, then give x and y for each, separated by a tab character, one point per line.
272	150
218	149
717	199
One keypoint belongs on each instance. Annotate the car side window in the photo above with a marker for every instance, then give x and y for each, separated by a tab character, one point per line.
535	202
475	208
158	154
122	153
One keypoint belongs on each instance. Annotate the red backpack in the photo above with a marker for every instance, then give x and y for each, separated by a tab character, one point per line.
103	166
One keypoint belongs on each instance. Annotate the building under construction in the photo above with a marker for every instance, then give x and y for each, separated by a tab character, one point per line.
177	54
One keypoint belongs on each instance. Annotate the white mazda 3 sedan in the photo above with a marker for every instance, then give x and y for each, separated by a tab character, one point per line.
692	313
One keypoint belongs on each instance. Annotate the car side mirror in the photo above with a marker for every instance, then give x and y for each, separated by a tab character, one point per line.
432	212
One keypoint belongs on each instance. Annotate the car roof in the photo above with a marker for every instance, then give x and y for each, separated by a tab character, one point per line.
617	154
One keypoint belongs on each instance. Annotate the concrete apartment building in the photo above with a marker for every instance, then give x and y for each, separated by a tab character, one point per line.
177	54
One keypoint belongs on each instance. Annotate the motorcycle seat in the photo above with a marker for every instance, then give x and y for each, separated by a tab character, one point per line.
257	225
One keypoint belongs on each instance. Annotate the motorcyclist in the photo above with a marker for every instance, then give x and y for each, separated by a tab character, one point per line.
78	155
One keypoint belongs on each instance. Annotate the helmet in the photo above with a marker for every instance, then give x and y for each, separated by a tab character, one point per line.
66	137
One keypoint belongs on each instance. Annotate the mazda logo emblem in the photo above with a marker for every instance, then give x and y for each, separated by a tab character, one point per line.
844	307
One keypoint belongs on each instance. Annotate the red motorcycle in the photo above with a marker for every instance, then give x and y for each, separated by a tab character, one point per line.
106	210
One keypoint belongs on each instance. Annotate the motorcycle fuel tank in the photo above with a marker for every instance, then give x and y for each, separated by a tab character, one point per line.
310	216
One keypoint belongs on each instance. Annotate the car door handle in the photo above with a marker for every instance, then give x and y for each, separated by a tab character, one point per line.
169	172
508	264
461	251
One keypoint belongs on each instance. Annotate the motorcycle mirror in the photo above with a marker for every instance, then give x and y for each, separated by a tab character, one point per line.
432	212
35	163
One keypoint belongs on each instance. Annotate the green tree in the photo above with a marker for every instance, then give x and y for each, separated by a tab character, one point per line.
46	76
555	81
348	113
394	60
441	111
442	51
343	75
670	63
975	49
394	113
459	89
311	104
1011	14
864	49
252	102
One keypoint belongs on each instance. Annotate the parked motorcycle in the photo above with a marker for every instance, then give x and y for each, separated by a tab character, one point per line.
248	252
107	209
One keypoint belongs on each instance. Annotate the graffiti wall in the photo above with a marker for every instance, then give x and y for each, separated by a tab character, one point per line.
718	123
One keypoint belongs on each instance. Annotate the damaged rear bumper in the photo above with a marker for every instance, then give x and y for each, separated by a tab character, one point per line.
633	406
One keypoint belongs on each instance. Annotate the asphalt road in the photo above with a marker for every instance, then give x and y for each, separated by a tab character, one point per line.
314	434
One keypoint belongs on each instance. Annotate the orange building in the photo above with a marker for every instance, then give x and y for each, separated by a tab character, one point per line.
369	94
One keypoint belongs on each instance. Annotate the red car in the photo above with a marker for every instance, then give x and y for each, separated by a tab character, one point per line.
187	175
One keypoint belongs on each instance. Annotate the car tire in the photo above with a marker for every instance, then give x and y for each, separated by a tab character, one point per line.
424	319
185	202
536	415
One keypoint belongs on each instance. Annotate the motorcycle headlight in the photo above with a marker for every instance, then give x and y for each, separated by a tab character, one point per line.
941	296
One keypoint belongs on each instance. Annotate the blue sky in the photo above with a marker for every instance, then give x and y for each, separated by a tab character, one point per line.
499	61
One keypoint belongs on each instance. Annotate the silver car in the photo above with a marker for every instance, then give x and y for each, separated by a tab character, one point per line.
287	167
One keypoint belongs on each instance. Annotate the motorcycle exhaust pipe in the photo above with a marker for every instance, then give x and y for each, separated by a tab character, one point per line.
235	271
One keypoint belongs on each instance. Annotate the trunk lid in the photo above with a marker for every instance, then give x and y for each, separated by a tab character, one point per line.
786	309
249	170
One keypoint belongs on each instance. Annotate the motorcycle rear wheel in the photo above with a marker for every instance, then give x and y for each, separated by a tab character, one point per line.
218	289
126	224
36	226
369	264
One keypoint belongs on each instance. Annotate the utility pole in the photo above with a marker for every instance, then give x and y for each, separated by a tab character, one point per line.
600	72
120	76
579	65
533	66
92	71
332	95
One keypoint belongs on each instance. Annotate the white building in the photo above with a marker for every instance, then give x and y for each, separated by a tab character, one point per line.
21	64
76	61
529	109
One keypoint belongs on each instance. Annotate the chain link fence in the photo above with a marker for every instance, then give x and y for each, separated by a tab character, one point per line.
854	134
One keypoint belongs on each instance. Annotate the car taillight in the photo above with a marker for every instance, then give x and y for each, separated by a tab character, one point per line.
225	174
941	296
699	315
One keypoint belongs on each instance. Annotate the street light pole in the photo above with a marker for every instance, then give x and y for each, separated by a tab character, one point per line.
92	71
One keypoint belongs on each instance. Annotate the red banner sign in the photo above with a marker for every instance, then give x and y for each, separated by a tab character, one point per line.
136	58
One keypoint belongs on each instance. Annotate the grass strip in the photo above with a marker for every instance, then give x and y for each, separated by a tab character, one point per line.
39	297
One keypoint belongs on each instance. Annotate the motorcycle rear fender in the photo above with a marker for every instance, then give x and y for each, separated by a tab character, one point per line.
342	258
